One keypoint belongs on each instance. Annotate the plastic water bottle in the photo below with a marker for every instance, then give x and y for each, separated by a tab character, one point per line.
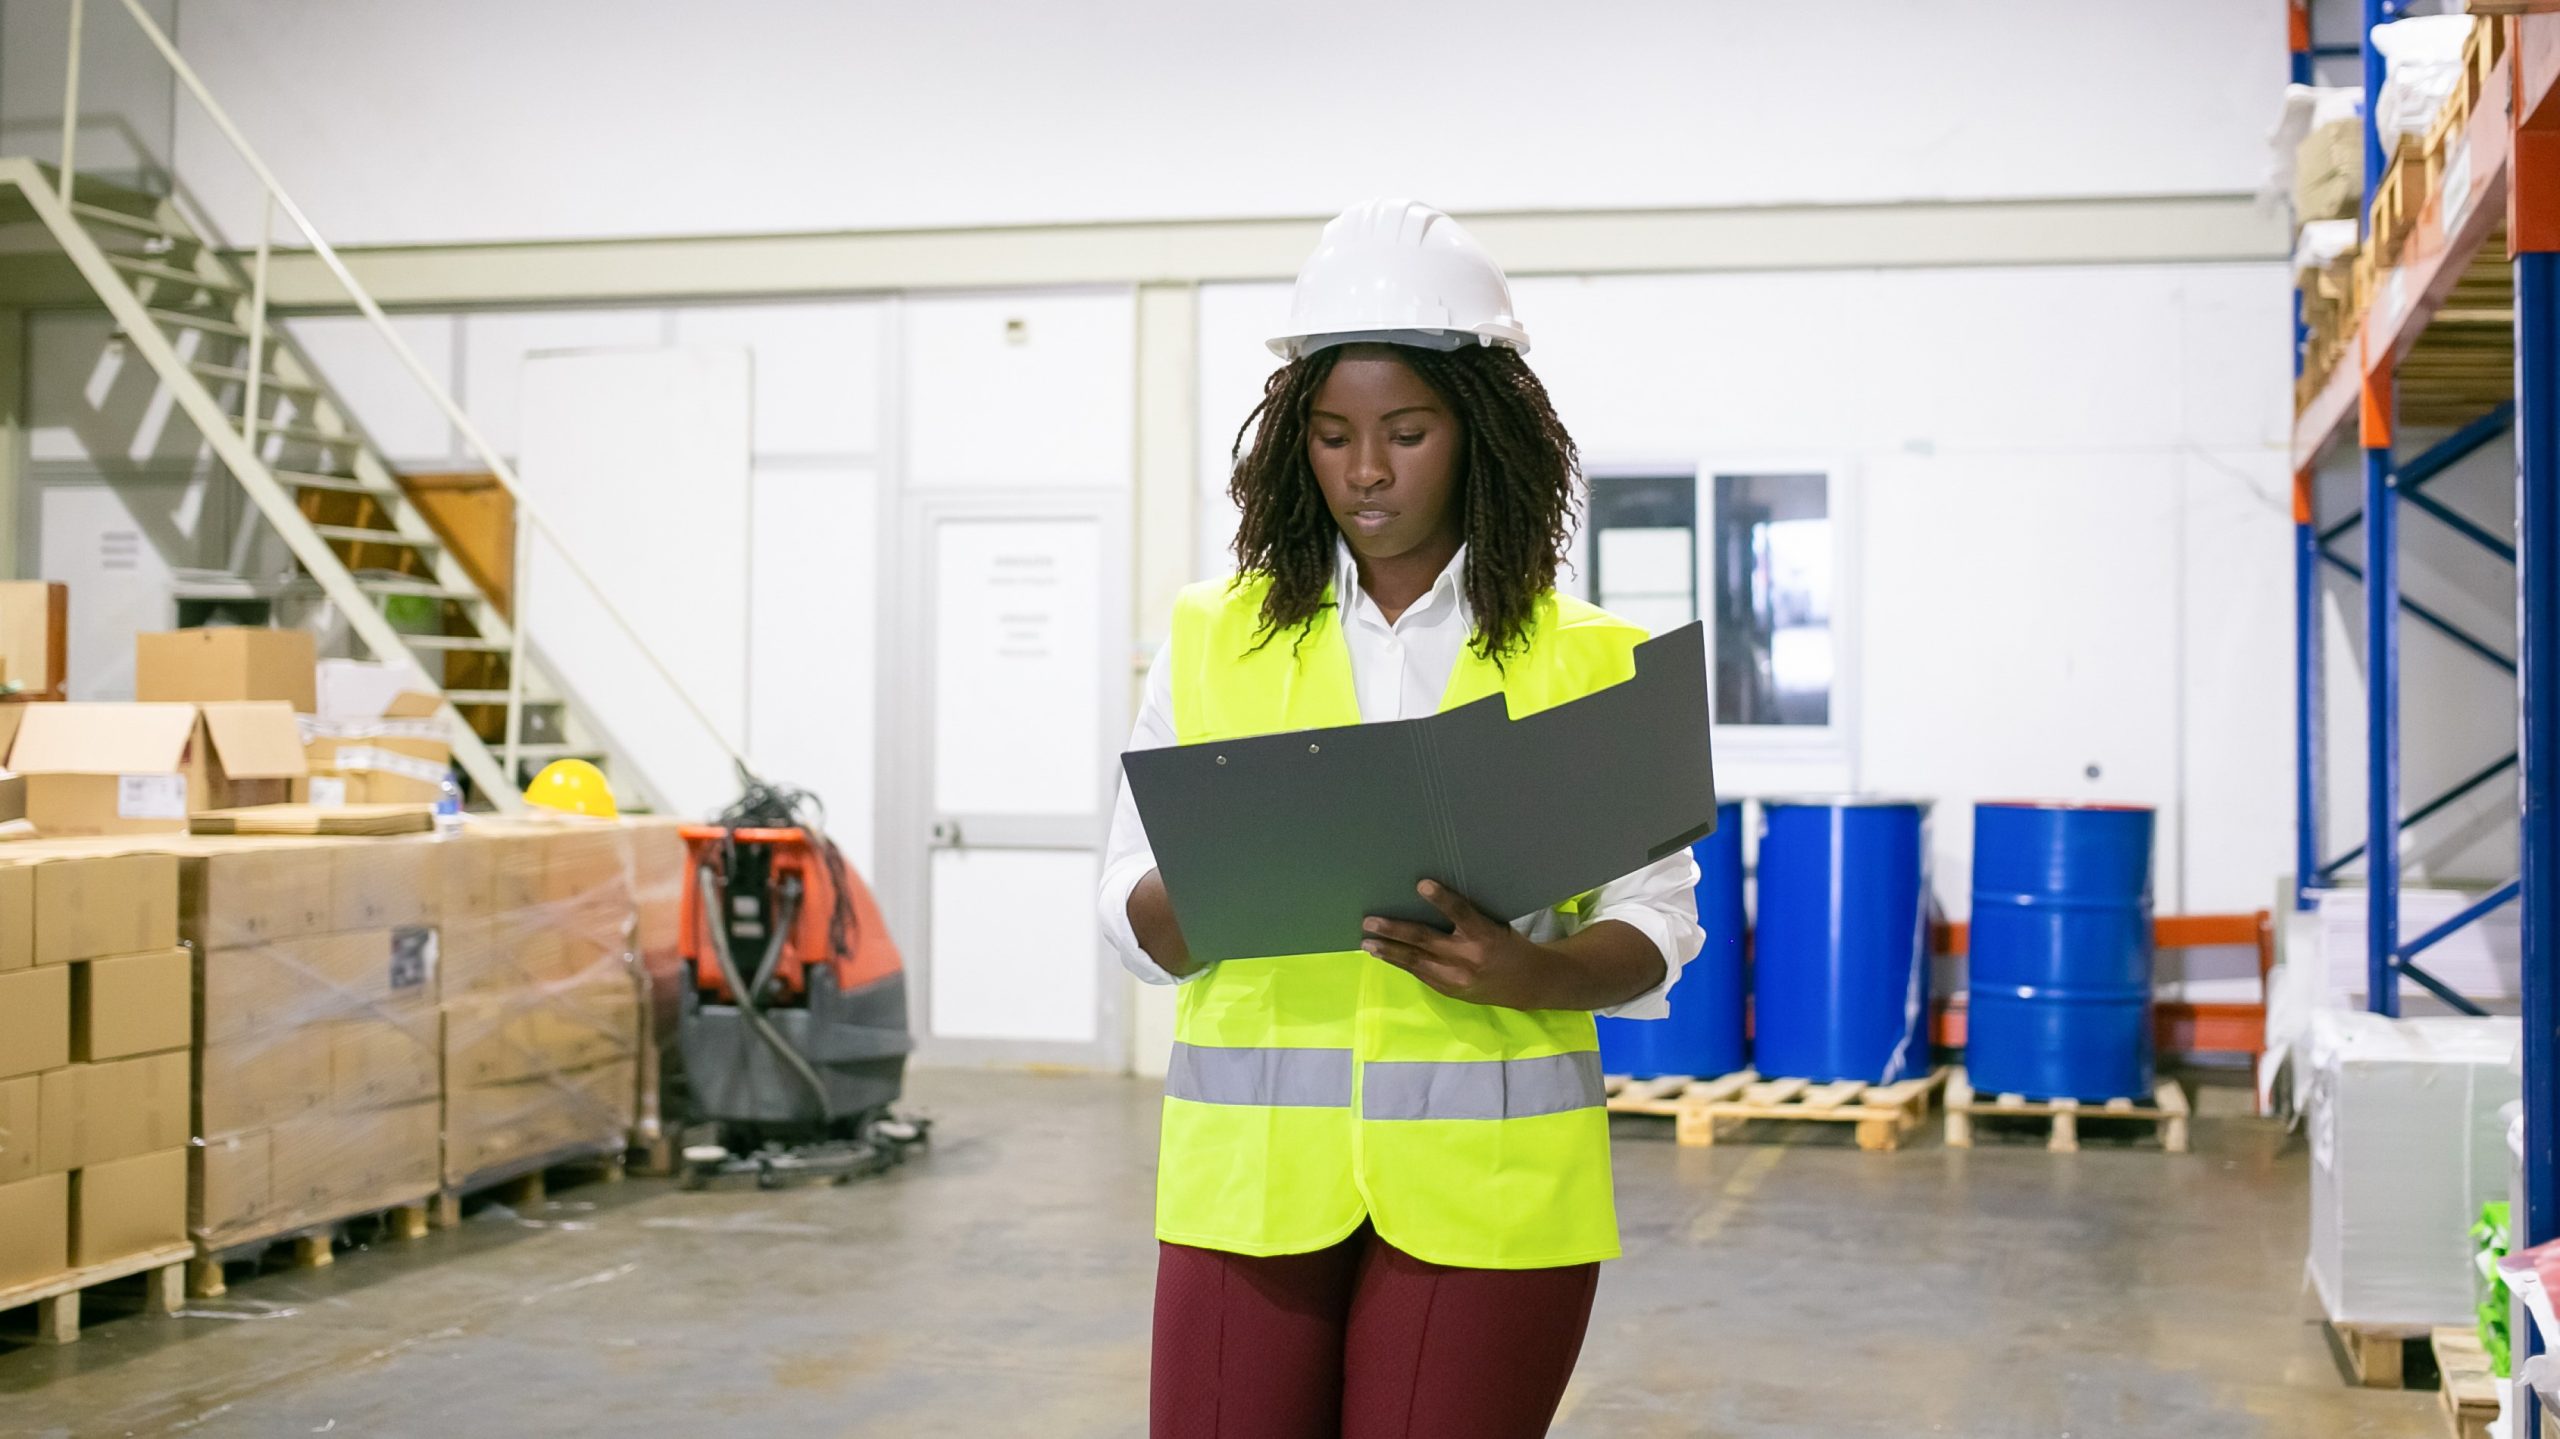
448	803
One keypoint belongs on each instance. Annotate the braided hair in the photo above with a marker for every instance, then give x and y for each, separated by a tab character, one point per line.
1515	488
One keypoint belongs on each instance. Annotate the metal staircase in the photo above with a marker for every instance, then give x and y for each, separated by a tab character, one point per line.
199	318
318	483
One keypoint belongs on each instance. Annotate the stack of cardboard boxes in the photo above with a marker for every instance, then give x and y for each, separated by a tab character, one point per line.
542	993
96	1023
376	738
319	1072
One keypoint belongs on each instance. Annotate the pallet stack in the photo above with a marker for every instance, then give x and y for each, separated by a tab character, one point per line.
96	1026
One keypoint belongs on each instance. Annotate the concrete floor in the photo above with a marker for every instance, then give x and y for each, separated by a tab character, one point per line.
1000	1286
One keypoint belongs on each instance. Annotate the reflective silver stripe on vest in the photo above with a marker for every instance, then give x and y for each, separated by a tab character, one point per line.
1298	1078
1482	1089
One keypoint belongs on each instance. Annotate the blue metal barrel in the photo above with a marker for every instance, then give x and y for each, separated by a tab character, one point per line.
2058	1005
1703	1034
1840	960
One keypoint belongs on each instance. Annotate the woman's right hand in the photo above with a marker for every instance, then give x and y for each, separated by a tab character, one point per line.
1151	917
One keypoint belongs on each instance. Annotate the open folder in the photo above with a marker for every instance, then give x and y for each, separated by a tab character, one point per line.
1281	844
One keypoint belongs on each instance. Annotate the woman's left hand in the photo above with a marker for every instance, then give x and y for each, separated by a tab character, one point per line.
1484	961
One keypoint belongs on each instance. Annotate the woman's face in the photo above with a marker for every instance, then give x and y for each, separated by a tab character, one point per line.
1385	450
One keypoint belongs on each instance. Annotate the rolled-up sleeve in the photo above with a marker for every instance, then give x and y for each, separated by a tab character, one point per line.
1660	901
1126	855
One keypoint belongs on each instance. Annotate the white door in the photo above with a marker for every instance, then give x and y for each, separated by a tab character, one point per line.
1019	712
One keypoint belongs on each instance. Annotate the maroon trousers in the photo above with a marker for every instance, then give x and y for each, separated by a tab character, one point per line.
1361	1341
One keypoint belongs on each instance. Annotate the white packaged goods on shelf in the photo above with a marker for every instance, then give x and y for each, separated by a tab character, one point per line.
2332	113
2406	1145
2483	960
2422	62
2322	242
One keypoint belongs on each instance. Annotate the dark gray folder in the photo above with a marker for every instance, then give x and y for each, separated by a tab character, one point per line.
1282	844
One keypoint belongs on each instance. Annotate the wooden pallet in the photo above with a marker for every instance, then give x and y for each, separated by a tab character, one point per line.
2400	199
311	1246
57	1300
1883	1113
525	1184
2470	1391
2167	1111
2377	1355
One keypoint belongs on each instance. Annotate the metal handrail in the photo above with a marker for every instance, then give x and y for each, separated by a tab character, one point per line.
276	198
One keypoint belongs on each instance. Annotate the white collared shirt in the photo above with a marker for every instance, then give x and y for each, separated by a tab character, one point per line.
1401	670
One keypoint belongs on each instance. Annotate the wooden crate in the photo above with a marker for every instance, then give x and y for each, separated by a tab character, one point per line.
2376	1356
1883	1113
57	1299
2168	1113
2470	1386
309	1246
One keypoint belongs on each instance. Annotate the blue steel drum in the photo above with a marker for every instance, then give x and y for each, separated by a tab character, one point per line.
1840	960
1703	1034
2059	999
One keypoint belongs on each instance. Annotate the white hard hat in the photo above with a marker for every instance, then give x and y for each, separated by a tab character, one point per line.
1401	273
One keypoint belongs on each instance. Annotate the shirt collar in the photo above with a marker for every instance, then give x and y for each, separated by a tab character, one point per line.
1449	589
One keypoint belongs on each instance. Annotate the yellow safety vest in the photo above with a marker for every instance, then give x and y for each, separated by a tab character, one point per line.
1309	1092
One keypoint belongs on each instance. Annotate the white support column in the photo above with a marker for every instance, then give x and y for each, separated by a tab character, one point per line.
1167	519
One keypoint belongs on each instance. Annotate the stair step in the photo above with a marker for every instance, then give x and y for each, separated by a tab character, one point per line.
357	534
151	269
545	753
197	320
233	374
125	220
493	697
395	585
327	439
451	644
343	484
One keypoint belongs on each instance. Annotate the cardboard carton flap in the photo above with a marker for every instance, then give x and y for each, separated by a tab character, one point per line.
256	739
103	738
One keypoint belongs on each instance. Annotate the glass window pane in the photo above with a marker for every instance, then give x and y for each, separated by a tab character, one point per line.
1773	587
1644	549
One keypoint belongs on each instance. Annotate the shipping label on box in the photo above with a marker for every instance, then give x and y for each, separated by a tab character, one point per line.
20	1155
137	1004
128	1207
264	1079
35	1229
35	1020
99	906
232	1189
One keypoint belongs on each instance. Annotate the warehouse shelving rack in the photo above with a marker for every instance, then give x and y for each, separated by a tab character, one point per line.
2419	356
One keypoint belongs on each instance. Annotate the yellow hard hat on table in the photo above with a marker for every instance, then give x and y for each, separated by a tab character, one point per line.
573	786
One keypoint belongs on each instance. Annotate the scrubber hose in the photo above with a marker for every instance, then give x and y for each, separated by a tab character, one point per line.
714	918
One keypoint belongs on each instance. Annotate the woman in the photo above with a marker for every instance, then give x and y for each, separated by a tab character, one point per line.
1384	1189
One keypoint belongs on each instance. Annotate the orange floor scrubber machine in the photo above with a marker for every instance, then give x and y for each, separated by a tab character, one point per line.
792	1022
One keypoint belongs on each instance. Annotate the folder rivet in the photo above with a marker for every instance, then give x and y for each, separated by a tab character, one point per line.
1315	749
1222	759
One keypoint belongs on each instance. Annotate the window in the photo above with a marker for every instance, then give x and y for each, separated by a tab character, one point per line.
1758	552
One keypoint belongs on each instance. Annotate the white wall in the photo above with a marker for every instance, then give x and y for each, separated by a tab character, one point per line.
486	120
2075	550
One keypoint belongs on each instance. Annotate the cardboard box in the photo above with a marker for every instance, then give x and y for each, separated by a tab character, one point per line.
264	1080
17	916
470	877
489	1127
383	1063
106	768
35	1229
101	1113
35	1021
197	666
232	1186
137	1004
21	1144
327	1164
385	883
503	954
506	1037
128	1207
252	893
13	796
267	989
380	761
35	635
94	906
142	768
